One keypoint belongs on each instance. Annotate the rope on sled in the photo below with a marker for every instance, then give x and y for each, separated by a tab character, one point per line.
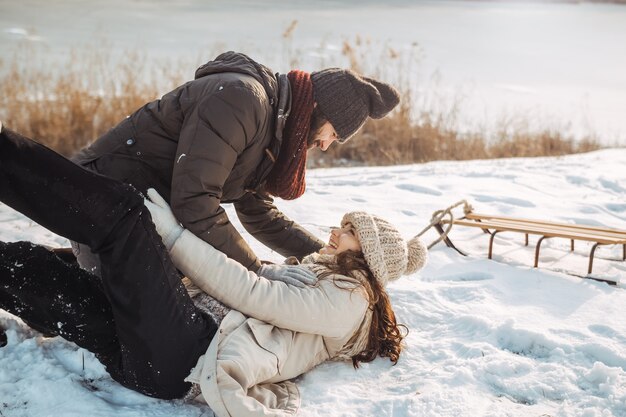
439	215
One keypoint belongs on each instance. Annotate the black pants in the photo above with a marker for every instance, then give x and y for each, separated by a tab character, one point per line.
138	319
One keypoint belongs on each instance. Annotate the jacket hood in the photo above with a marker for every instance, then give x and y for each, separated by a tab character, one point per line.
237	62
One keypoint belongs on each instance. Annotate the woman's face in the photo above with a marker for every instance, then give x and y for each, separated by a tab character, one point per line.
341	240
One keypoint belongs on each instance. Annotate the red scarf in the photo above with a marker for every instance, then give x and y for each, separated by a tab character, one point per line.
286	180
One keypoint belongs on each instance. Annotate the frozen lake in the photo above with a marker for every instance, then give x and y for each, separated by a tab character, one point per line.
558	65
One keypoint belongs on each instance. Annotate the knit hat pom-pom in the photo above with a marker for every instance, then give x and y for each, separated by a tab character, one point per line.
418	255
382	98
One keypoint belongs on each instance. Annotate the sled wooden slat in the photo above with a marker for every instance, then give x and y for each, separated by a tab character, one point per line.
548	231
494	224
601	231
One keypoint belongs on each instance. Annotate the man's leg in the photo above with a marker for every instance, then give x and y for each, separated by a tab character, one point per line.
161	333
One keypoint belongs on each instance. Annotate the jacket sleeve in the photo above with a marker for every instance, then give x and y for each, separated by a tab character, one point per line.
265	222
213	135
324	309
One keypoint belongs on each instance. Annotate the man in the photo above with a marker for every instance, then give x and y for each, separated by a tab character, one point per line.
236	134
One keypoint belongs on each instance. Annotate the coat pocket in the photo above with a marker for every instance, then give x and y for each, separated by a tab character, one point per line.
121	136
272	339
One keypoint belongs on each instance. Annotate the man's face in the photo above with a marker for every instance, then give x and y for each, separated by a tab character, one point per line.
323	137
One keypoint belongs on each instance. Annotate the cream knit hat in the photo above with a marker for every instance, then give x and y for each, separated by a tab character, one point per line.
387	254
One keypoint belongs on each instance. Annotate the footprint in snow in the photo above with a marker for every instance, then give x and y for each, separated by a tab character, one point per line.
490	174
605	353
418	189
608	332
576	180
616	208
570	333
466	351
585	221
467	276
319	192
461	294
506	200
612	185
524	342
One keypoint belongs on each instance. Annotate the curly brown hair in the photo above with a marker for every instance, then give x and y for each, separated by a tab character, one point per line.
385	334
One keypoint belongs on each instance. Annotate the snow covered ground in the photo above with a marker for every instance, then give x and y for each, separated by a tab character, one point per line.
487	338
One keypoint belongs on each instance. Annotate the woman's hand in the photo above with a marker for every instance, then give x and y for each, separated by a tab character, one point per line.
289	274
166	224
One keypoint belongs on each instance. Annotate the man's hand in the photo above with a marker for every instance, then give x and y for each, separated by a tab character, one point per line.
295	275
166	224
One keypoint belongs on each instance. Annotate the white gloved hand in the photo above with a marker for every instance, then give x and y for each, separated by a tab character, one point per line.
166	224
295	275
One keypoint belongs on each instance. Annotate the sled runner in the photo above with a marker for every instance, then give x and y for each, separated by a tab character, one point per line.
493	225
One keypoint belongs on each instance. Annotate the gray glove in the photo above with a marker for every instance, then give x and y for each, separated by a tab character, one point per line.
295	275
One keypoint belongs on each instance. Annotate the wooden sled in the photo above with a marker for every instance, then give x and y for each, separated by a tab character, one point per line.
493	225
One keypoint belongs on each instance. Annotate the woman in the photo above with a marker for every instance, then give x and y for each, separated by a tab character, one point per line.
141	323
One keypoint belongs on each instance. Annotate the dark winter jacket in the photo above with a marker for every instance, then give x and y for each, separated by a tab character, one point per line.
212	140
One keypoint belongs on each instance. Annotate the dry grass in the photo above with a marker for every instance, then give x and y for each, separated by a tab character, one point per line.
399	139
428	129
67	105
70	104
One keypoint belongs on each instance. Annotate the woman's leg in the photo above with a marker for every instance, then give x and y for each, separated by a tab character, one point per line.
57	298
161	333
51	190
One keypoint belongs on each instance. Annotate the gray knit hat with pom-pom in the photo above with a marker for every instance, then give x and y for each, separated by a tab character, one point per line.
387	254
347	99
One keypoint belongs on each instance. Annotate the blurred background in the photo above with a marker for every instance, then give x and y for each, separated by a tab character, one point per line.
479	79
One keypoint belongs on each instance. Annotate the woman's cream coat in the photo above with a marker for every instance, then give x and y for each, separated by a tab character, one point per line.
274	333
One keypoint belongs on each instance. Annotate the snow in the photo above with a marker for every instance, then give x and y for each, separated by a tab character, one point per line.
487	337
